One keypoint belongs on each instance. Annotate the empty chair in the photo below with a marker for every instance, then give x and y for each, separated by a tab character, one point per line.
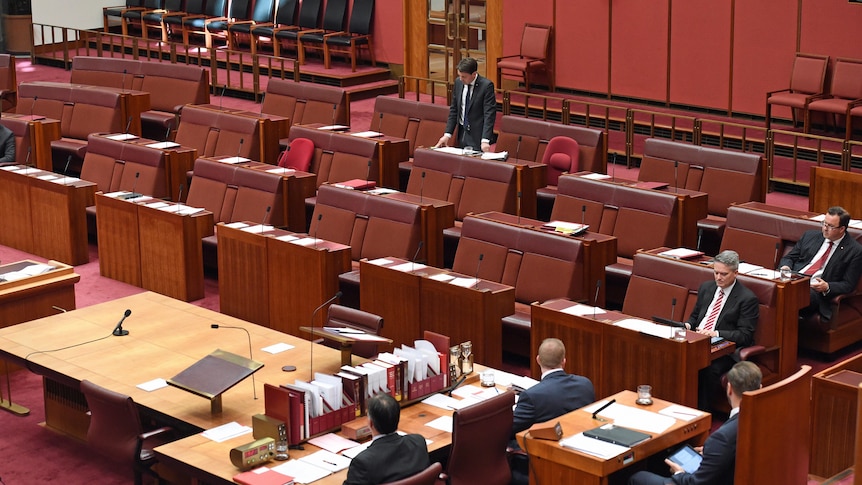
298	155
358	35
8	83
197	24
261	14
342	316
285	16
846	87
117	11
427	476
237	11
134	15
480	434
173	21
561	156
156	19
535	56
309	18
333	22
807	81
116	432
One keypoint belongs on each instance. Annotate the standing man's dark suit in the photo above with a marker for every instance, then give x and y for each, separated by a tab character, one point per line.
390	457
556	394
7	146
738	318
482	113
842	271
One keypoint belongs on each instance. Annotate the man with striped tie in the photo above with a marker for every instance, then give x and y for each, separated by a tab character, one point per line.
727	309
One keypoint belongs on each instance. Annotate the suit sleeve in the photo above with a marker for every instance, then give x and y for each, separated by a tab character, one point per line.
524	414
796	259
850	274
746	322
453	108
8	149
719	456
700	306
489	107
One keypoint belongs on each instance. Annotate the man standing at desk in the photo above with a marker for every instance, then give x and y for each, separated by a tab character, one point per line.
831	257
719	450
555	395
390	456
473	110
727	309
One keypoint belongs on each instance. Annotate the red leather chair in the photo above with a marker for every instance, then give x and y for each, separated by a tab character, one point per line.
298	155
480	434
116	431
807	81
342	316
427	476
844	92
535	56
561	156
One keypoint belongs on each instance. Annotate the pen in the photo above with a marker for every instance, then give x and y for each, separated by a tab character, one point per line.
603	408
329	463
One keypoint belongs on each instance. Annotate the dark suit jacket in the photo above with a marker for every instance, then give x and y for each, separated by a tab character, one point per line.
555	395
482	113
841	272
719	458
7	145
389	458
738	317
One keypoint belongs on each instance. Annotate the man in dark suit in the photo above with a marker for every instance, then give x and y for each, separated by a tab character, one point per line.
473	110
7	146
390	456
719	450
724	308
831	257
556	394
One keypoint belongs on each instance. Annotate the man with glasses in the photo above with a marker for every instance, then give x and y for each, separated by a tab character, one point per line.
831	257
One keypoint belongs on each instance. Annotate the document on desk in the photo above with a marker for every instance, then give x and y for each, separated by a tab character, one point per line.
631	417
441	277
464	282
327	460
681	412
646	327
163	145
592	446
333	443
408	267
277	348
442	401
475	393
443	423
153	385
450	150
301	471
579	310
226	431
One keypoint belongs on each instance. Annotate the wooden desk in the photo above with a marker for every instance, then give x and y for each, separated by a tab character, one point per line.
410	302
45	218
834	404
42	132
276	283
599	250
179	160
435	216
554	464
616	358
151	248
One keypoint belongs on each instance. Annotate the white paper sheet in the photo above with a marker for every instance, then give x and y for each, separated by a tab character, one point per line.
153	385
683	413
443	423
643	326
583	310
277	348
592	446
226	431
408	267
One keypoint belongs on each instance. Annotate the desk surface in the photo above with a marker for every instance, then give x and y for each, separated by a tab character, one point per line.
166	336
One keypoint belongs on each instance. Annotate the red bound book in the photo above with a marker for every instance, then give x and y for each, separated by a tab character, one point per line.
263	476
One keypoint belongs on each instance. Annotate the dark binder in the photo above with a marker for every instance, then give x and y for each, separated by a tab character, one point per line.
215	374
617	435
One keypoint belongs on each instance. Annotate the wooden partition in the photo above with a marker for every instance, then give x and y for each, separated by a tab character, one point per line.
831	187
834	408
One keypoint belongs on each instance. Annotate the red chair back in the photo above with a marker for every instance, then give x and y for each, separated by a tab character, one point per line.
298	155
561	156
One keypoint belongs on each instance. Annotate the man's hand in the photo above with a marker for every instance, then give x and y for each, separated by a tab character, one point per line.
486	147
674	468
443	142
819	285
709	333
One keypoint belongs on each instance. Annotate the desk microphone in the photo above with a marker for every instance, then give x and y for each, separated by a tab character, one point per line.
596	298
118	330
457	383
61	310
334	112
27	159
168	134
418	248
317	228
239	149
675	175
519	207
595	414
421	186
180	194
368	172
584	215
478	265
518	147
775	259
262	99
66	168
289	368
128	124
265	216
133	194
123	82
247	334
672	308
380	123
33	106
221	98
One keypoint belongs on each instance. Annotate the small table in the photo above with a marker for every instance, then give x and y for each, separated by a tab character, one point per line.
346	340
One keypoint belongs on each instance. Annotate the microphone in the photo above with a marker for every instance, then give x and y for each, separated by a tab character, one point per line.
775	259
672	308
314	314
262	98
518	147
518	208
596	298
128	124
265	215
614	169
118	330
27	159
123	85
239	149
421	186
418	248
61	310
457	383
478	265
180	194
675	175
595	414
317	228
380	123
221	98
247	334
134	194
66	168
33	106
368	173
334	112
584	215
168	134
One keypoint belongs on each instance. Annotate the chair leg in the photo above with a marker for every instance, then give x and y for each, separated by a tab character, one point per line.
353	56
848	128
769	115
371	53
806	116
527	79
327	59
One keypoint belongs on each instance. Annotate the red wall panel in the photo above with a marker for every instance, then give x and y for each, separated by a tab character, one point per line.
700	53
832	27
516	14
581	48
388	33
639	48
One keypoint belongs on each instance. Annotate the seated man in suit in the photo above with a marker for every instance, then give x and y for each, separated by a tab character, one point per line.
473	110
727	309
390	456
831	257
719	450
556	394
7	146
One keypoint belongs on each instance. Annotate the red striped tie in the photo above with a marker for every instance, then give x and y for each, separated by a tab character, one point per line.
713	315
815	266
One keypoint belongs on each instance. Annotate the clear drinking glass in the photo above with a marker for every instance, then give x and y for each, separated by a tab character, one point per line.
467	357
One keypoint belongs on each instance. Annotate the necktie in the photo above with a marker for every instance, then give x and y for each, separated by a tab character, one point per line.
467	107
816	265
713	315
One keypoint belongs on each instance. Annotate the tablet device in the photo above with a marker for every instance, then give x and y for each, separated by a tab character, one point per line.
687	458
